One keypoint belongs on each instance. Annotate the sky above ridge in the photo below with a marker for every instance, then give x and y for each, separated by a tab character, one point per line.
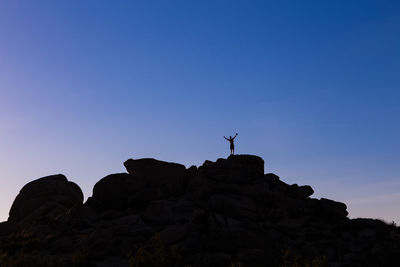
313	87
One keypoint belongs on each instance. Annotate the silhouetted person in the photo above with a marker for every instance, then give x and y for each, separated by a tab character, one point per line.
230	139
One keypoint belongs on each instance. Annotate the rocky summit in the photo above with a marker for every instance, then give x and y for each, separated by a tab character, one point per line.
223	213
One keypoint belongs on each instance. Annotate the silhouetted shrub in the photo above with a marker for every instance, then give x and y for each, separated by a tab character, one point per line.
159	255
31	260
290	259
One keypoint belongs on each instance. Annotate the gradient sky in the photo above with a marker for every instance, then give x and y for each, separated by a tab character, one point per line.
313	87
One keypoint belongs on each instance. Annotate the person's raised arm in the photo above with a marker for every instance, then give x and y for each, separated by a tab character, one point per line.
226	138
235	136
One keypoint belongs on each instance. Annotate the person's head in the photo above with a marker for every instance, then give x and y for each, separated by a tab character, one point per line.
230	137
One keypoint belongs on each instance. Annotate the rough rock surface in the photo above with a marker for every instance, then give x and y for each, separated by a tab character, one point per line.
161	179
49	196
224	213
114	192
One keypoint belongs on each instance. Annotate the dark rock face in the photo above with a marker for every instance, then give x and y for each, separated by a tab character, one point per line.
332	208
114	192
238	169
248	162
162	214
303	191
7	228
162	179
49	196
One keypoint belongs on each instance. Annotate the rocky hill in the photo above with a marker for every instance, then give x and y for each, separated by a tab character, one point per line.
223	213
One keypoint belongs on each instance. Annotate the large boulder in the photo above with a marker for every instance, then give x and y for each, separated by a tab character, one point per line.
328	210
333	208
250	162
239	169
303	191
47	197
114	192
165	179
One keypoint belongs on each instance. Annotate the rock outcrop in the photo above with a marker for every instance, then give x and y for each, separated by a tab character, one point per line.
114	192
47	197
161	179
223	213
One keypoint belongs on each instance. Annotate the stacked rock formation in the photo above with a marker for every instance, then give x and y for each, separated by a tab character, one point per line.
224	213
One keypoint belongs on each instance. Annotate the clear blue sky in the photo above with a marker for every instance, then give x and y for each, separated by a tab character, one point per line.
311	86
